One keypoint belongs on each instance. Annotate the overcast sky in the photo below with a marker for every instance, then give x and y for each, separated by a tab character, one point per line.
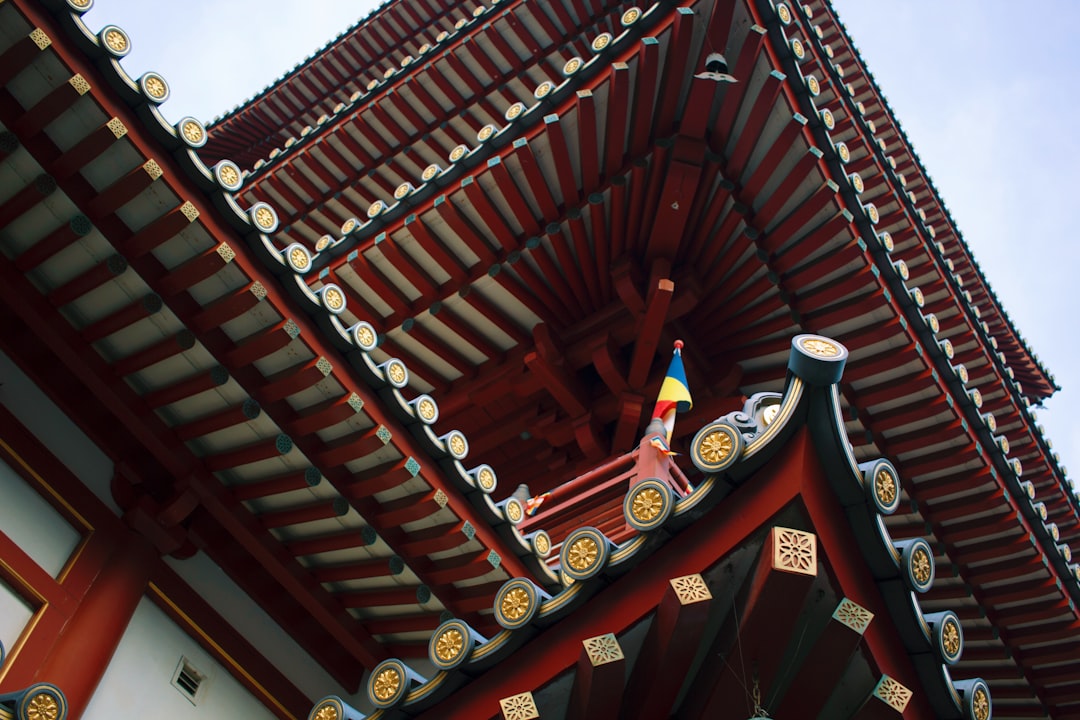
986	94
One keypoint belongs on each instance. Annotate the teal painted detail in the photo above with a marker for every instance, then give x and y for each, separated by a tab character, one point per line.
412	466
383	434
468	530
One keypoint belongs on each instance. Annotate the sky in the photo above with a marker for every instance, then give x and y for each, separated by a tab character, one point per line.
986	95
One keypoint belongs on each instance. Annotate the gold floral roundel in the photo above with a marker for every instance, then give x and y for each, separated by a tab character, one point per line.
333	298
951	639
715	447
922	566
375	209
457	444
154	86
516	603
396	372
326	711
427	409
647	505
843	152
918	297
784	13
402	190
485	478
820	347
980	704
80	5
885	487
349	225
430	172
933	323
42	706
976	397
543	90
828	119
541	543
798	49
364	336
192	131
116	40
461	23
857	182
387	684
583	554
457	153
572	66
514	511
601	41
962	373
448	645
887	241
514	111
485	133
299	259
813	85
228	174
630	17
323	242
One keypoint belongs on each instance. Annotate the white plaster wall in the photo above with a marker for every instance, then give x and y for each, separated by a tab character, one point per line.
14	614
138	683
53	428
259	629
33	524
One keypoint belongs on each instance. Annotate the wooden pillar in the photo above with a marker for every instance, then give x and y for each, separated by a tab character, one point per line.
86	643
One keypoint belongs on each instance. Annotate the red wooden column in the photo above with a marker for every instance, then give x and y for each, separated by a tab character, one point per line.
85	646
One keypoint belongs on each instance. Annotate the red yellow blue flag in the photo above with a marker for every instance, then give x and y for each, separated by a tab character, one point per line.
674	393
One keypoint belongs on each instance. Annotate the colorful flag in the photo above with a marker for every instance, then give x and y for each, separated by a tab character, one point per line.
674	393
533	504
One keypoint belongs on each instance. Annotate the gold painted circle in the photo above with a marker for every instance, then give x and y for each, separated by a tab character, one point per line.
374	209
334	298
572	66
386	684
323	243
885	487
423	48
631	16
768	415
902	269
980	704
514	511
887	242
442	36
299	258
192	131
486	479
155	87
485	133
426	409
647	505
406	61
458	152
543	90
264	216
116	40
516	603
542	543
395	370
79	3
843	152
820	347
514	111
460	24
229	176
950	638
365	336
326	712
42	706
798	49
977	398
402	190
934	323
457	444
828	119
372	85
1003	443
601	41
784	13
387	74
921	566
449	645
857	182
478	11
429	173
813	85
917	296
348	226
962	373
583	554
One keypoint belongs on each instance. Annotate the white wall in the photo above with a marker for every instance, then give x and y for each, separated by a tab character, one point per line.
58	433
138	683
259	629
33	524
14	614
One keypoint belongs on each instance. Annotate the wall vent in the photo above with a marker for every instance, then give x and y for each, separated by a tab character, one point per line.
189	680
